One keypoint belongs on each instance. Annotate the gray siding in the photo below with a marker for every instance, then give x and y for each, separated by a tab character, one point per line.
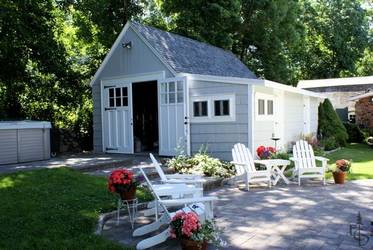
137	60
30	145
220	136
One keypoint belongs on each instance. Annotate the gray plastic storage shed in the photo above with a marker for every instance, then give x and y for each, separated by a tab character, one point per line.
22	141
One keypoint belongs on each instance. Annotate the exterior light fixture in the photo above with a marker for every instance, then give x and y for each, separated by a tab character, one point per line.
127	45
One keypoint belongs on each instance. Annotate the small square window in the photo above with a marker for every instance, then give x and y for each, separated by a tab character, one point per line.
200	109
269	107
221	107
261	110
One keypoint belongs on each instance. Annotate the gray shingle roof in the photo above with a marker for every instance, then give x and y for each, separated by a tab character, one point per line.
186	55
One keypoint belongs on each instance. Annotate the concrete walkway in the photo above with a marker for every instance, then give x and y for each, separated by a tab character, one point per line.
83	161
286	217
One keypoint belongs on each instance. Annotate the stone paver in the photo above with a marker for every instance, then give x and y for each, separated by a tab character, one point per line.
285	217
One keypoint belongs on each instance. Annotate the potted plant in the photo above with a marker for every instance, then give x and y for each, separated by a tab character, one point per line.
340	171
192	234
123	182
265	153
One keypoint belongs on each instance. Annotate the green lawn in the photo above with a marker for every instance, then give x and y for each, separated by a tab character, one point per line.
54	209
362	160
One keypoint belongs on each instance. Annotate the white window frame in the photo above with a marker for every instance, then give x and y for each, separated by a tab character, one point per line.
211	108
266	98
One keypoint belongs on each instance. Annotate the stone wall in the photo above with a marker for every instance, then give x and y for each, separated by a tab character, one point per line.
364	112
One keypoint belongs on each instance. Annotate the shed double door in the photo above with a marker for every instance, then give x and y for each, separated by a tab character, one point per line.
118	132
173	116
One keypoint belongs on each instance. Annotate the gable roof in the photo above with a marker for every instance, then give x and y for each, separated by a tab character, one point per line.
361	96
347	81
185	55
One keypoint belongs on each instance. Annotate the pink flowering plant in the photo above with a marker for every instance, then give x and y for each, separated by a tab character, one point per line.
187	226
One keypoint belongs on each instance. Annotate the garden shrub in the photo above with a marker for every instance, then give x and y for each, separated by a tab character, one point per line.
329	143
331	126
202	164
354	132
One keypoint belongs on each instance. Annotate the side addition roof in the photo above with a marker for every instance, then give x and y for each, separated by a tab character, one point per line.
186	55
320	83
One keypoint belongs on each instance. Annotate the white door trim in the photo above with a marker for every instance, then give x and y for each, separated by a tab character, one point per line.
142	77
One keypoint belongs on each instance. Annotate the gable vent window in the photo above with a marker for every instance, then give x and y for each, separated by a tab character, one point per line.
270	107
261	108
200	109
221	108
213	108
265	109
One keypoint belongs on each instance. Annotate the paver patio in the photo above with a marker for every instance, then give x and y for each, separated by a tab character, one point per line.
286	217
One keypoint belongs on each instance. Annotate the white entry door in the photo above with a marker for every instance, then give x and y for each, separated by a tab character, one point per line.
118	132
306	115
173	119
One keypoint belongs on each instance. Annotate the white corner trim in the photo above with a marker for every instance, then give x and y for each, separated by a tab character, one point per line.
161	58
108	55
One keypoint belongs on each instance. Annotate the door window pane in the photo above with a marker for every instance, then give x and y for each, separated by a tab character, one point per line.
180	97
171	97
179	86
111	97
221	107
125	101
125	91
200	109
171	87
118	97
269	107
261	110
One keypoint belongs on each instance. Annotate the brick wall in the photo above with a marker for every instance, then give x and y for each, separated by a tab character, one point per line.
364	112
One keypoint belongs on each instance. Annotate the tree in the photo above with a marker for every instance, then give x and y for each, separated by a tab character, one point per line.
335	39
269	32
330	125
211	21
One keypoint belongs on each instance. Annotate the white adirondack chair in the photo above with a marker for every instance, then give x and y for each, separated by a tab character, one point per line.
202	206
245	167
305	162
177	178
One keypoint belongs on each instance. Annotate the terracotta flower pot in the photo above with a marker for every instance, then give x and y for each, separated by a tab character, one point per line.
128	194
188	244
339	177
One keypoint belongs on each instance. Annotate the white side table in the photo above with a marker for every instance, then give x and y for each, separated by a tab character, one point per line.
278	167
131	206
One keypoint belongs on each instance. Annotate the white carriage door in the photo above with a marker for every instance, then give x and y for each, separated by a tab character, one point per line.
173	119
118	136
306	115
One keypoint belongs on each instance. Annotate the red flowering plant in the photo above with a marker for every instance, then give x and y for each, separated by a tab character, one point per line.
121	180
187	226
342	166
265	152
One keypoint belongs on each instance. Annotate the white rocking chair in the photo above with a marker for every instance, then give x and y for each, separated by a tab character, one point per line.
305	162
202	206
245	167
196	180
